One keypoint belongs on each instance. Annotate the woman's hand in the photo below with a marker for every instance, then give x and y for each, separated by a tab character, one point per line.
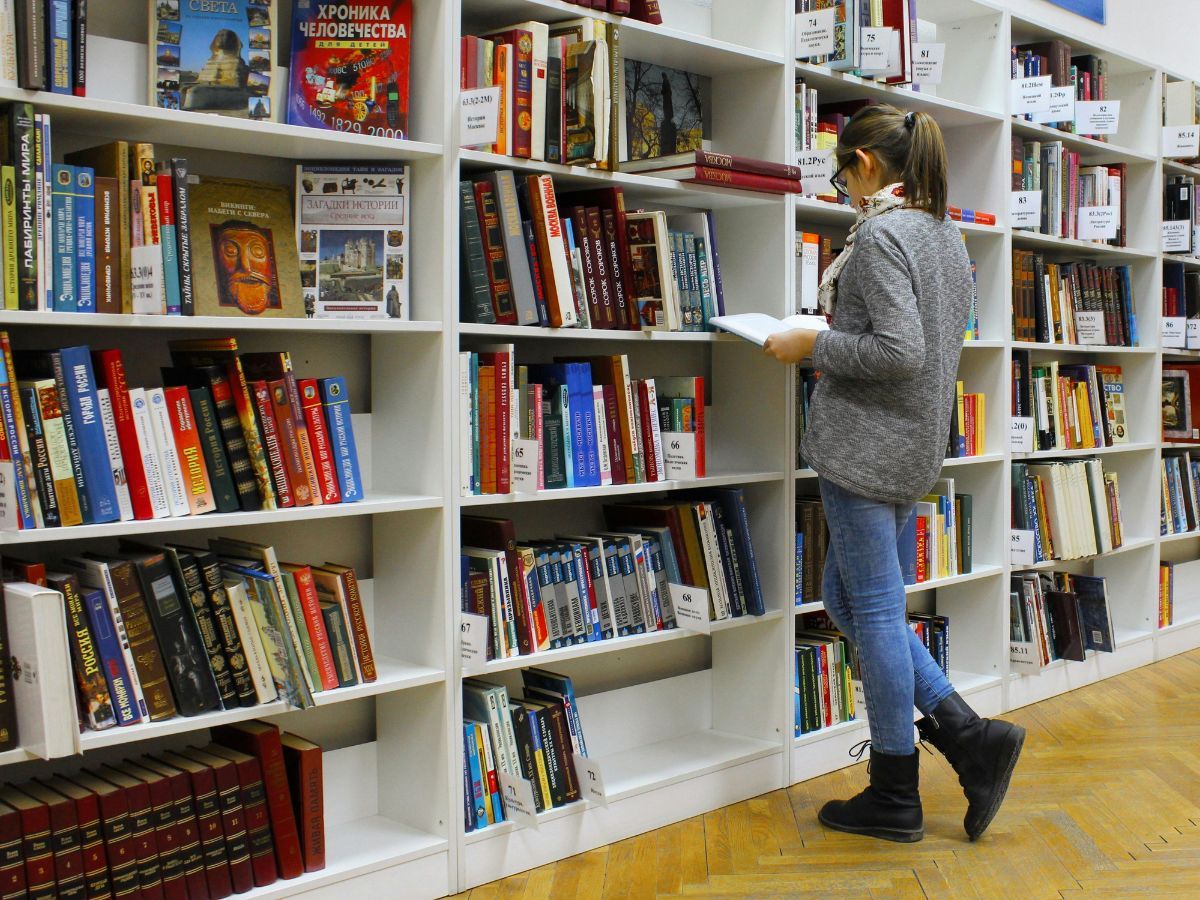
791	346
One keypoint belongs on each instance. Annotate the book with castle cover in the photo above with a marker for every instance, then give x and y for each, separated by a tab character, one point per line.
349	67
243	249
214	57
352	234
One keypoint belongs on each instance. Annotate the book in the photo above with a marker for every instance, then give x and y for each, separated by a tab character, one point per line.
100	492
192	466
233	817
336	403
209	827
352	231
37	848
93	695
214	58
254	806
667	111
757	327
303	761
116	829
91	836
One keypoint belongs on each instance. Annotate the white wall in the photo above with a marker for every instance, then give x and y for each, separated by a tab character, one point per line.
1160	31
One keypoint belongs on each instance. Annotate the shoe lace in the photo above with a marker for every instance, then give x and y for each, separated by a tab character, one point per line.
858	750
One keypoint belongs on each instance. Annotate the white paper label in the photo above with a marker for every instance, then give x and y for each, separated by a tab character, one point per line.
473	641
10	514
1024	655
814	33
518	800
1193	334
479	115
1020	434
1025	209
1174	332
1061	106
1181	141
860	699
1176	236
1021	548
679	454
816	168
928	62
1097	116
1098	222
874	44
1089	328
691	607
1030	95
591	782
524	467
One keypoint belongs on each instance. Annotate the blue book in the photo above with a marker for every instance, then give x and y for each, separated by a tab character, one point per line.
906	546
336	401
477	775
558	687
62	199
468	798
799	568
112	658
59	42
733	508
591	615
85	238
485	735
583	413
21	474
95	466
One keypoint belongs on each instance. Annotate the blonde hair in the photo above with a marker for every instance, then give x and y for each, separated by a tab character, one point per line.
908	145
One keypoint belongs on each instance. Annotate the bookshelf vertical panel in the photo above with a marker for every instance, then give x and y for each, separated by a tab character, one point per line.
415	786
410	586
767	29
748	681
747	436
976	58
1132	580
409	405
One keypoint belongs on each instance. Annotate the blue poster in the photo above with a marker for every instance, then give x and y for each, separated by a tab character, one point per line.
1089	9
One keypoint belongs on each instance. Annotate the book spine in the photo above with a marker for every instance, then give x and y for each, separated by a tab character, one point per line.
289	442
358	626
233	439
258	822
24	155
85	238
113	659
58	38
746	180
271	445
94	462
147	444
39	453
89	662
306	590
164	437
107	420
79	32
220	614
31	44
307	782
318	432
336	402
183	237
503	304
165	196
8	209
476	296
233	825
62	212
217	466
12	856
251	640
108	270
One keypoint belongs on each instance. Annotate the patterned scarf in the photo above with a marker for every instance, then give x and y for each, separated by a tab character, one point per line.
884	200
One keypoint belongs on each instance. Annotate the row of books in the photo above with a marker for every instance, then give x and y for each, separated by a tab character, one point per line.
824	679
1179	208
1181	402
1177	582
1179	506
583	262
814	254
229	432
895	19
812	545
1072	508
593	424
1086	73
1073	407
1057	615
209	821
1072	302
968	420
1180	303
806	383
43	46
534	738
1068	187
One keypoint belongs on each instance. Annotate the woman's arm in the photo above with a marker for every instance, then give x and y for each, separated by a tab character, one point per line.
895	346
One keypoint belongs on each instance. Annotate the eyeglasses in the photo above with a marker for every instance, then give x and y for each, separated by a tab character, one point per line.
838	182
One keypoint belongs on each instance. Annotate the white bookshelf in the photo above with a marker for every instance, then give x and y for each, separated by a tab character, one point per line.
680	723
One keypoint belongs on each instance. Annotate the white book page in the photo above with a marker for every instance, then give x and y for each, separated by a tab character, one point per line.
757	327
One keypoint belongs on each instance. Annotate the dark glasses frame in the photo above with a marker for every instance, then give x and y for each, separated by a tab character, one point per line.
839	183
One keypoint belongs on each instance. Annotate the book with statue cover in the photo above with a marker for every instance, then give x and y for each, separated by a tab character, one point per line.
349	66
217	56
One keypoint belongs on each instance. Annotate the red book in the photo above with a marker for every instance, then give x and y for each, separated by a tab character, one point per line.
826	675
270	442
166	834
12	860
357	619
618	7
306	589
64	839
303	762
611	203
233	818
501	362
110	370
191	454
187	831
647	11
36	847
713	160
605	284
209	829
922	548
289	442
487	429
770	184
521	44
119	849
318	435
20	570
91	838
278	365
261	740
503	304
254	807
612	421
141	822
644	414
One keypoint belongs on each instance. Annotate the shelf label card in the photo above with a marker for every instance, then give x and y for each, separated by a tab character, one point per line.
473	641
1061	106
816	168
1193	334
1097	116
1177	236
1089	328
814	33
860	698
691	607
1021	548
1024	656
591	782
679	454
524	467
1020	434
478	116
1181	141
1098	222
874	44
1174	332
929	60
518	800
1025	209
10	515
1030	95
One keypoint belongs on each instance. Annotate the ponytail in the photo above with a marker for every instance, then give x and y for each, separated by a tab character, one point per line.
910	148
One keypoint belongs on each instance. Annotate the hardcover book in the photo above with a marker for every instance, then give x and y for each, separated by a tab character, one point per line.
667	110
349	67
214	57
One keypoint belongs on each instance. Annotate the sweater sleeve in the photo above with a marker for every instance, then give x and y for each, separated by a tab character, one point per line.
895	345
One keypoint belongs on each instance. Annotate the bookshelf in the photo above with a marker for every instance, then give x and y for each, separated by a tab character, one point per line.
680	723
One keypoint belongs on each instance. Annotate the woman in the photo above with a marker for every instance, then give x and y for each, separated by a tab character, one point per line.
899	296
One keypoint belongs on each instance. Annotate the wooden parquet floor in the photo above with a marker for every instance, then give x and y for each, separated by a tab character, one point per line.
1105	802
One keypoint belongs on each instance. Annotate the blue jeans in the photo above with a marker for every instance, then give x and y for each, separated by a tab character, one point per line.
863	592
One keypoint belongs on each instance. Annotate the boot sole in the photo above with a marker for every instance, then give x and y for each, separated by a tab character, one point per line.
1017	742
896	835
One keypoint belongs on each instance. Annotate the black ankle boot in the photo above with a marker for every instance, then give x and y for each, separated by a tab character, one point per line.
890	808
982	751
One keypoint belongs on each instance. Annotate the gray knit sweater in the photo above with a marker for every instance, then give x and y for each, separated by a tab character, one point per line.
881	409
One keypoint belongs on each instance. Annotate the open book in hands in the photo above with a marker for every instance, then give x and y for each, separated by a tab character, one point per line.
757	327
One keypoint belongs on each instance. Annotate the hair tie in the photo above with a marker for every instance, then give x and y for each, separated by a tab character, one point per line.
910	120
